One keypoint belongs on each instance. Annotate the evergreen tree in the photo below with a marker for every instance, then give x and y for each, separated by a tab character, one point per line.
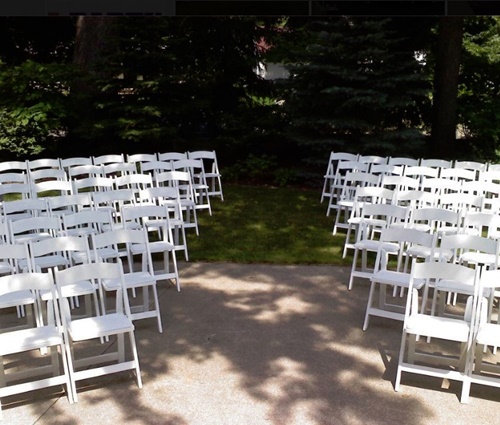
356	86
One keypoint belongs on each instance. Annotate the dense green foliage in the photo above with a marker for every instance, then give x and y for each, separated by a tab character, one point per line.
479	95
356	88
164	84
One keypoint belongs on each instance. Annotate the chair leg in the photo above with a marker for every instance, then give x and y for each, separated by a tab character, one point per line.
368	306
353	268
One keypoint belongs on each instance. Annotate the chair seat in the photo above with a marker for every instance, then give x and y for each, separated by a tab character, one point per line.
438	327
488	334
373	245
132	280
425	252
100	326
46	261
29	339
391	277
159	246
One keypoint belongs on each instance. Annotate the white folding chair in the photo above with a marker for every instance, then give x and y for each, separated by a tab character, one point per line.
50	335
155	218
199	186
116	324
182	182
375	218
484	371
397	277
345	203
169	197
212	175
435	361
145	279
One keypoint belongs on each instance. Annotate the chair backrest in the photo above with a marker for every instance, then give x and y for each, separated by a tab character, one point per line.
53	188
94	273
385	214
37	164
19	189
421	171
59	244
117	238
415	198
435	218
113	198
403	161
46	226
34	282
86	222
11	178
399	182
84	171
141	214
46	174
354	179
134	181
471	165
141	157
108	159
481	223
440	186
67	204
436	270
461	174
462	243
387	169
436	163
24	208
172	156
405	238
13	166
462	202
93	184
119	169
178	179
156	167
67	163
209	159
11	254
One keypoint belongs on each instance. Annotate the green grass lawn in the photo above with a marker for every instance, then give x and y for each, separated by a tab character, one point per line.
259	224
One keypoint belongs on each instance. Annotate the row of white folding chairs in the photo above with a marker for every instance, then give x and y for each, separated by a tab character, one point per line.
61	332
435	187
43	252
375	217
191	191
341	162
106	165
441	269
25	220
178	182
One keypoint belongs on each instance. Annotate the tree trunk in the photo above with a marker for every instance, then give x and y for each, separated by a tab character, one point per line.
446	76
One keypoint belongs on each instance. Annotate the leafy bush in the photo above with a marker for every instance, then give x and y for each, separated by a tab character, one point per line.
33	106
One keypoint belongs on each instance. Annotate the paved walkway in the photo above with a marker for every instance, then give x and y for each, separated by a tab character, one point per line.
259	344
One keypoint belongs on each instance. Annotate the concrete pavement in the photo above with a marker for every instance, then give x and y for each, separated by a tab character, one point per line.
261	344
